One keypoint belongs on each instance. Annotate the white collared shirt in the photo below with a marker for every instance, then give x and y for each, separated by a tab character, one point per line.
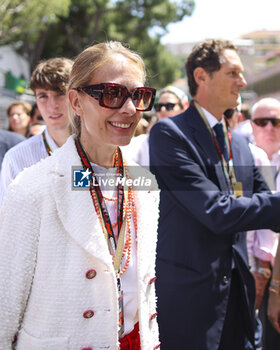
211	119
22	156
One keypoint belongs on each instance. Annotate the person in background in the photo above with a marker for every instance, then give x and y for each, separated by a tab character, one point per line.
262	244
211	194
35	115
273	309
142	127
19	117
36	128
232	116
85	259
8	139
244	126
48	81
170	102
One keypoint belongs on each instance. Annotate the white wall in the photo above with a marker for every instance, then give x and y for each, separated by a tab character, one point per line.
11	61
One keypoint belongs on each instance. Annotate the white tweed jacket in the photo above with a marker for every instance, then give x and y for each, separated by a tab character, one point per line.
50	237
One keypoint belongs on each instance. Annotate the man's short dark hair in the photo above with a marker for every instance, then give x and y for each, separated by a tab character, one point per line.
53	74
206	55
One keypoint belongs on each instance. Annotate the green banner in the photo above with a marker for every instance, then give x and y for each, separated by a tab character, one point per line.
16	84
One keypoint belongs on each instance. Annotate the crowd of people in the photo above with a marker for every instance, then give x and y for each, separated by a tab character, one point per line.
188	258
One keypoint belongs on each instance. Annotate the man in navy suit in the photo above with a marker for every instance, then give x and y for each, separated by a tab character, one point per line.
211	194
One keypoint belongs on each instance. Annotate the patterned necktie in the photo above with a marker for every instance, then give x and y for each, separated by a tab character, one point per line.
219	131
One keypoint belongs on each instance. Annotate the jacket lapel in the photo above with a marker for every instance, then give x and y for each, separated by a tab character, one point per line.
75	207
236	159
203	137
77	214
206	145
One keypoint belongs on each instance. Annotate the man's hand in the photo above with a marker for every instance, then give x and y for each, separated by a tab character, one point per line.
273	310
261	283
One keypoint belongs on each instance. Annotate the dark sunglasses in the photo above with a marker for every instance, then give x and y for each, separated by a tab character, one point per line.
262	122
168	106
113	96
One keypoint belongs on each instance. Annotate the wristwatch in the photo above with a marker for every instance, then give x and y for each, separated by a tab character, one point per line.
266	272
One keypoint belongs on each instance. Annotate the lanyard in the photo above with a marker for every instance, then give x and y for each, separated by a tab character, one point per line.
115	247
227	167
275	177
47	146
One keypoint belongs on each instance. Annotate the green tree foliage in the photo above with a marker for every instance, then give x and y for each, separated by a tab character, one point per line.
26	22
66	27
162	67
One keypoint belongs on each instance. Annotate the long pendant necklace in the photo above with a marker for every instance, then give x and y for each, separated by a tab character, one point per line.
126	209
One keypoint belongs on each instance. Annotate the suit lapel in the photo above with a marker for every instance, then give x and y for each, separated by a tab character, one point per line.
206	145
236	159
75	207
202	136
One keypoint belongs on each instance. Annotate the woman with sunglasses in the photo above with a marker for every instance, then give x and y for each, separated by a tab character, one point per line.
78	273
171	101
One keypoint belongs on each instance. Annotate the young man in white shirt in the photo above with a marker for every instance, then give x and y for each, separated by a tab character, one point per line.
48	81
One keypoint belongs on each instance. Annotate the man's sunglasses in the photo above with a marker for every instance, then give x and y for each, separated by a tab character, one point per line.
113	96
168	106
262	122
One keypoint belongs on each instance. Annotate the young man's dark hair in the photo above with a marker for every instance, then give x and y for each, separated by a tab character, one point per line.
52	74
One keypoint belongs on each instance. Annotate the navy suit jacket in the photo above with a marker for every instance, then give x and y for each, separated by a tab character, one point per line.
8	139
202	230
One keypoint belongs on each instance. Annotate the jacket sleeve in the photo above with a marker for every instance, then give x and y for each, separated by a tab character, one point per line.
19	227
181	172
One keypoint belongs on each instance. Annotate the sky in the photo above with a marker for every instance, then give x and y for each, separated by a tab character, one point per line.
225	19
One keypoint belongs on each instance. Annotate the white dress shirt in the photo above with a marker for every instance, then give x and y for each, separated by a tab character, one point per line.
210	118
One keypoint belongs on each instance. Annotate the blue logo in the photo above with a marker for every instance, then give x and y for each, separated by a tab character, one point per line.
81	178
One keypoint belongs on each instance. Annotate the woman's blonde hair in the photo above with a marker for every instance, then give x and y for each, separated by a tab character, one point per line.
89	61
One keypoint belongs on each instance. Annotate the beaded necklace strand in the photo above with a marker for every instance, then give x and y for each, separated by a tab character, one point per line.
128	209
46	144
119	245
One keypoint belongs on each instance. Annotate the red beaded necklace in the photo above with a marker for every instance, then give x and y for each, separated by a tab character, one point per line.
130	213
129	210
47	146
126	208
